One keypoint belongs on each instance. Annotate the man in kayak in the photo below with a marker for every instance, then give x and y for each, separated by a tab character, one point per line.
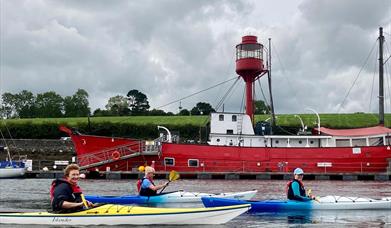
147	187
295	187
65	194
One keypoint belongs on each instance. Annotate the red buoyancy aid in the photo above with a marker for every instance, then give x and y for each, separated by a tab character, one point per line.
289	184
140	182
289	192
75	188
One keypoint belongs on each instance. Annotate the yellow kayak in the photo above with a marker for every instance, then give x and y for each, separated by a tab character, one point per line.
112	214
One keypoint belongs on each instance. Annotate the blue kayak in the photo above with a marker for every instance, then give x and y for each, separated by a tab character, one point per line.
168	197
322	203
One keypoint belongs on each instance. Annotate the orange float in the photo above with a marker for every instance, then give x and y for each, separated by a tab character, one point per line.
115	155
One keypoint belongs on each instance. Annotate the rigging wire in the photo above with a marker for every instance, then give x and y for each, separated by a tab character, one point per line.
358	75
287	78
242	102
387	73
264	97
193	94
221	102
9	133
373	85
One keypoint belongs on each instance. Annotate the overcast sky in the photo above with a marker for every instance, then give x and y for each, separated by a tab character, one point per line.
169	49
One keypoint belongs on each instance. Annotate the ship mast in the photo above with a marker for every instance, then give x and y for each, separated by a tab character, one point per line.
269	76
381	77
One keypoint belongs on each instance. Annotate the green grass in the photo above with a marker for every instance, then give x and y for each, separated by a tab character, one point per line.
326	120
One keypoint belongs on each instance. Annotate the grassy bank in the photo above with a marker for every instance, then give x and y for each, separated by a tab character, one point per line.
327	120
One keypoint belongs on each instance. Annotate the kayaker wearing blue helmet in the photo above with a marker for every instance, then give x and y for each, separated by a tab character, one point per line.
295	188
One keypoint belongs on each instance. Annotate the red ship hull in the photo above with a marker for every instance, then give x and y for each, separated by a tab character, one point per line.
91	150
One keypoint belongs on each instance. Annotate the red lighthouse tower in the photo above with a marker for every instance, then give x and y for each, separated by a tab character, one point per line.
249	65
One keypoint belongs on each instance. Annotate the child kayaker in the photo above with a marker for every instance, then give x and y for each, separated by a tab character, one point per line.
295	188
65	194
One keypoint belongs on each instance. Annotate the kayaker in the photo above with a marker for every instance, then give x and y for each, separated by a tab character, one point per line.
65	194
147	187
295	188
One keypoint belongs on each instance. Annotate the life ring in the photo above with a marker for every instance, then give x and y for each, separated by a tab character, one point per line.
115	155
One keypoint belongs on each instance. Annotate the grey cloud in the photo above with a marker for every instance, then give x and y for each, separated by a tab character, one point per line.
169	49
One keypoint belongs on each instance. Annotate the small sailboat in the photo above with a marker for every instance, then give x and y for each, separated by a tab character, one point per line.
10	168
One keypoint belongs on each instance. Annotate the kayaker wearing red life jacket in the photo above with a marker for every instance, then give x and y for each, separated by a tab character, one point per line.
145	186
65	194
295	188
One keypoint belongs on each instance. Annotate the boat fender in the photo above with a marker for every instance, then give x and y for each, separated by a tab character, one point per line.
115	155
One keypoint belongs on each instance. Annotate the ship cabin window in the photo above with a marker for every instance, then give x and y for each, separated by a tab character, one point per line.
234	118
169	161
230	132
300	142
312	142
277	141
193	163
221	117
218	140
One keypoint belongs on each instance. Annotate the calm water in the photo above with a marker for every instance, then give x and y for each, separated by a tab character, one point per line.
33	195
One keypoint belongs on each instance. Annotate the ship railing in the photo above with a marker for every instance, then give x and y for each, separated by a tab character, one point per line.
282	167
114	154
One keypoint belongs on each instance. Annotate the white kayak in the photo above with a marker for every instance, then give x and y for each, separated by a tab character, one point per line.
351	203
111	214
169	197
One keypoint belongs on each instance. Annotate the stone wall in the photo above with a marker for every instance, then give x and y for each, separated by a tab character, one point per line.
43	152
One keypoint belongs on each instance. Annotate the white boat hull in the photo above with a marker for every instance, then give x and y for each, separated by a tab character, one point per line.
12	172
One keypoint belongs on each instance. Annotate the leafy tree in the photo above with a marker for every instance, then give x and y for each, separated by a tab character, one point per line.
77	105
157	112
25	104
202	108
118	106
7	108
184	112
261	107
138	102
49	104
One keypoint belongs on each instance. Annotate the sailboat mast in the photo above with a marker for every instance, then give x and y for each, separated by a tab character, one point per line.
381	77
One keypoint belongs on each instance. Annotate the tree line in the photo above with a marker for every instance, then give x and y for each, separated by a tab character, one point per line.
52	105
25	104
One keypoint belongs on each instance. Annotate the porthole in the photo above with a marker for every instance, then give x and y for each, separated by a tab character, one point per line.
193	163
169	161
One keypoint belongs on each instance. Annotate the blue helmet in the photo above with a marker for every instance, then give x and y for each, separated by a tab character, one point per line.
298	171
